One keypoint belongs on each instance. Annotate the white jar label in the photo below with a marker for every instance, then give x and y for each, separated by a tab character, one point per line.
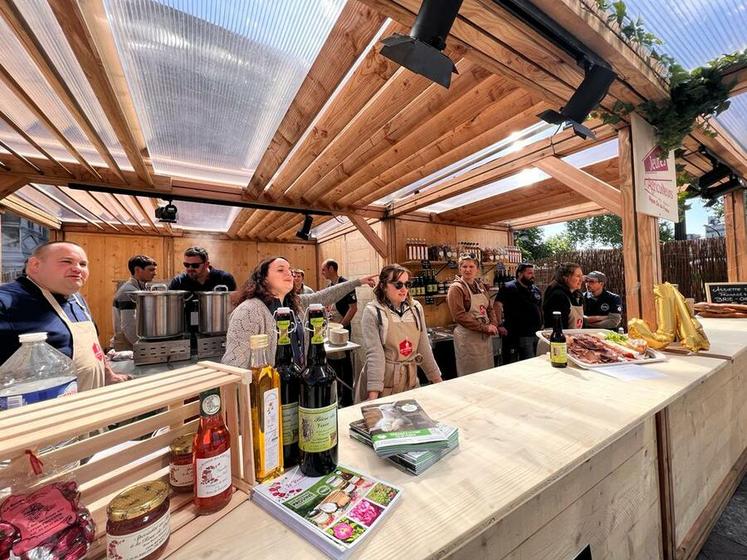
213	474
181	475
139	544
271	401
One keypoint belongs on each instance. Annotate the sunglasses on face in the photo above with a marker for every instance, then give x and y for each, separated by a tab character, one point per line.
400	285
192	265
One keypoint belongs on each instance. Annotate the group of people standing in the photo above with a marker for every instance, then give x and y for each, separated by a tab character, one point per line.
393	325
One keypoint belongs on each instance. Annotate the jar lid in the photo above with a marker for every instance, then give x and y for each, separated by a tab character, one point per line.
32	337
182	444
137	500
259	341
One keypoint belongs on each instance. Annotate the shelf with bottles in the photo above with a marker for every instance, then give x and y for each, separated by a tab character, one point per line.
418	252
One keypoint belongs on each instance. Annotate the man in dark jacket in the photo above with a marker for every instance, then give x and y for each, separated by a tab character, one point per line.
519	306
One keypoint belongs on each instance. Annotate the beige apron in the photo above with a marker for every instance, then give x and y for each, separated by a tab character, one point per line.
401	355
88	357
473	350
576	317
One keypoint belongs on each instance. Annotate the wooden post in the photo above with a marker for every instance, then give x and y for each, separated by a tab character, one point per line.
736	236
641	252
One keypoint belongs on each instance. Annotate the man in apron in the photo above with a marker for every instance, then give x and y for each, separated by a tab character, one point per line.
47	300
470	308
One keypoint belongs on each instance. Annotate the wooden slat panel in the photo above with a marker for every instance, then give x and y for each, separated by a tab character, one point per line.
371	75
354	29
583	183
488	128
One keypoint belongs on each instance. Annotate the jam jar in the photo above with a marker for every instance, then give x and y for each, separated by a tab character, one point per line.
181	470
138	522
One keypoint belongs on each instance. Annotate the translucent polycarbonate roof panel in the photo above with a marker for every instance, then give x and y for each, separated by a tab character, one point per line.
211	81
21	67
203	217
46	204
595	154
695	32
42	21
329	226
511	143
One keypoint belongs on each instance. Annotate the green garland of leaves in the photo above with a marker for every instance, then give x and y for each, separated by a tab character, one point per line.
700	93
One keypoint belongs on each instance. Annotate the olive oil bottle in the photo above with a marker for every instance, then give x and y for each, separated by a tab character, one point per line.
317	404
267	436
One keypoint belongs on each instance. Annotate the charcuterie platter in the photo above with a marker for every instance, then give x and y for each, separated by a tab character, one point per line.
595	348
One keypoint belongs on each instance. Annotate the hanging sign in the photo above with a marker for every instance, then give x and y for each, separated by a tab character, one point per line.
655	176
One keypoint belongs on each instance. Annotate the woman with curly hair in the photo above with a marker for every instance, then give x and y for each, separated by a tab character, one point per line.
269	287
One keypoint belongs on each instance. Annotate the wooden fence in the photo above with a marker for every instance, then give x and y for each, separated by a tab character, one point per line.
689	264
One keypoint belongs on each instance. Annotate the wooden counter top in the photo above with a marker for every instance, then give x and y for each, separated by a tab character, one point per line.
522	427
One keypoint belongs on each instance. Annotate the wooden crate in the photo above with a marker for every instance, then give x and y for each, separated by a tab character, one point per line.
170	399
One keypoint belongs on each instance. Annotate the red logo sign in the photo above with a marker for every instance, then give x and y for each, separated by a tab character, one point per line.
653	161
405	348
98	352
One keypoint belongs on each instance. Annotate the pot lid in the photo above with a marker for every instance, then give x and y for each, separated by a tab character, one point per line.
160	292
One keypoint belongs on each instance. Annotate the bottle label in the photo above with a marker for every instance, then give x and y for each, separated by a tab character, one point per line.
558	352
318	428
271	401
210	404
213	474
141	543
181	475
290	423
283	330
317	326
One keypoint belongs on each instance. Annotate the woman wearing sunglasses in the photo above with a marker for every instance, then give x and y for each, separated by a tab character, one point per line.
271	286
469	303
395	338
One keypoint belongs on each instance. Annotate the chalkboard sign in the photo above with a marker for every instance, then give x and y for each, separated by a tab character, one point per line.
726	292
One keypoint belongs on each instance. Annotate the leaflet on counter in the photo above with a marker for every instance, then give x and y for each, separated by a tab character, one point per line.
402	426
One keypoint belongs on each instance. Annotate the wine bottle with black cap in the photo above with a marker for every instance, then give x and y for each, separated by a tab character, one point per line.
317	404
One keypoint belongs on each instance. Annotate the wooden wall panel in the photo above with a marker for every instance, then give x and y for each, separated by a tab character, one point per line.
107	260
237	257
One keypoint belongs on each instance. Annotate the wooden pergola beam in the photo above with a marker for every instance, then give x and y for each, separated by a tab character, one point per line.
736	236
20	207
370	235
71	20
584	210
22	133
72	209
85	198
26	37
147	208
19	157
10	184
737	75
354	30
583	183
31	105
561	144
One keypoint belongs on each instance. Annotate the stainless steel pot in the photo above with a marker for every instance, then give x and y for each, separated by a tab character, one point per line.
214	309
160	312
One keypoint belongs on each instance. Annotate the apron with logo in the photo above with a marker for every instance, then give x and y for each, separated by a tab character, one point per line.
576	317
401	355
88	357
473	350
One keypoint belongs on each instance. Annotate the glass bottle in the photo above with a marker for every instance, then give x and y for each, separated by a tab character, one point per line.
558	345
212	456
290	383
266	411
317	405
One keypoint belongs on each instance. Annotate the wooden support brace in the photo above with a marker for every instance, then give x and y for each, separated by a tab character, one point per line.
370	235
736	236
583	183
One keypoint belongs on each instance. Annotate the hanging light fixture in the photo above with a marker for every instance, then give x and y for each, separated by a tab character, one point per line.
420	51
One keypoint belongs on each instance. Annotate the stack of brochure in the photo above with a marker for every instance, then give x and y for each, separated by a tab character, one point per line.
333	512
414	462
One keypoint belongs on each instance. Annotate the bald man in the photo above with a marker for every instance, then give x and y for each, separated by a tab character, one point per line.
46	299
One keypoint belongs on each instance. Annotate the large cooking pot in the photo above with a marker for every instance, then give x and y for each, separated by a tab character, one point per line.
214	309
160	312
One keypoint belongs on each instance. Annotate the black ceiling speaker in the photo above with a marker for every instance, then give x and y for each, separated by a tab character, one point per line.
305	230
596	83
166	213
421	50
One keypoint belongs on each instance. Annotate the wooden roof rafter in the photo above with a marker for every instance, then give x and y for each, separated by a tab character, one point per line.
72	21
29	211
354	29
90	198
23	134
72	209
31	43
583	210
